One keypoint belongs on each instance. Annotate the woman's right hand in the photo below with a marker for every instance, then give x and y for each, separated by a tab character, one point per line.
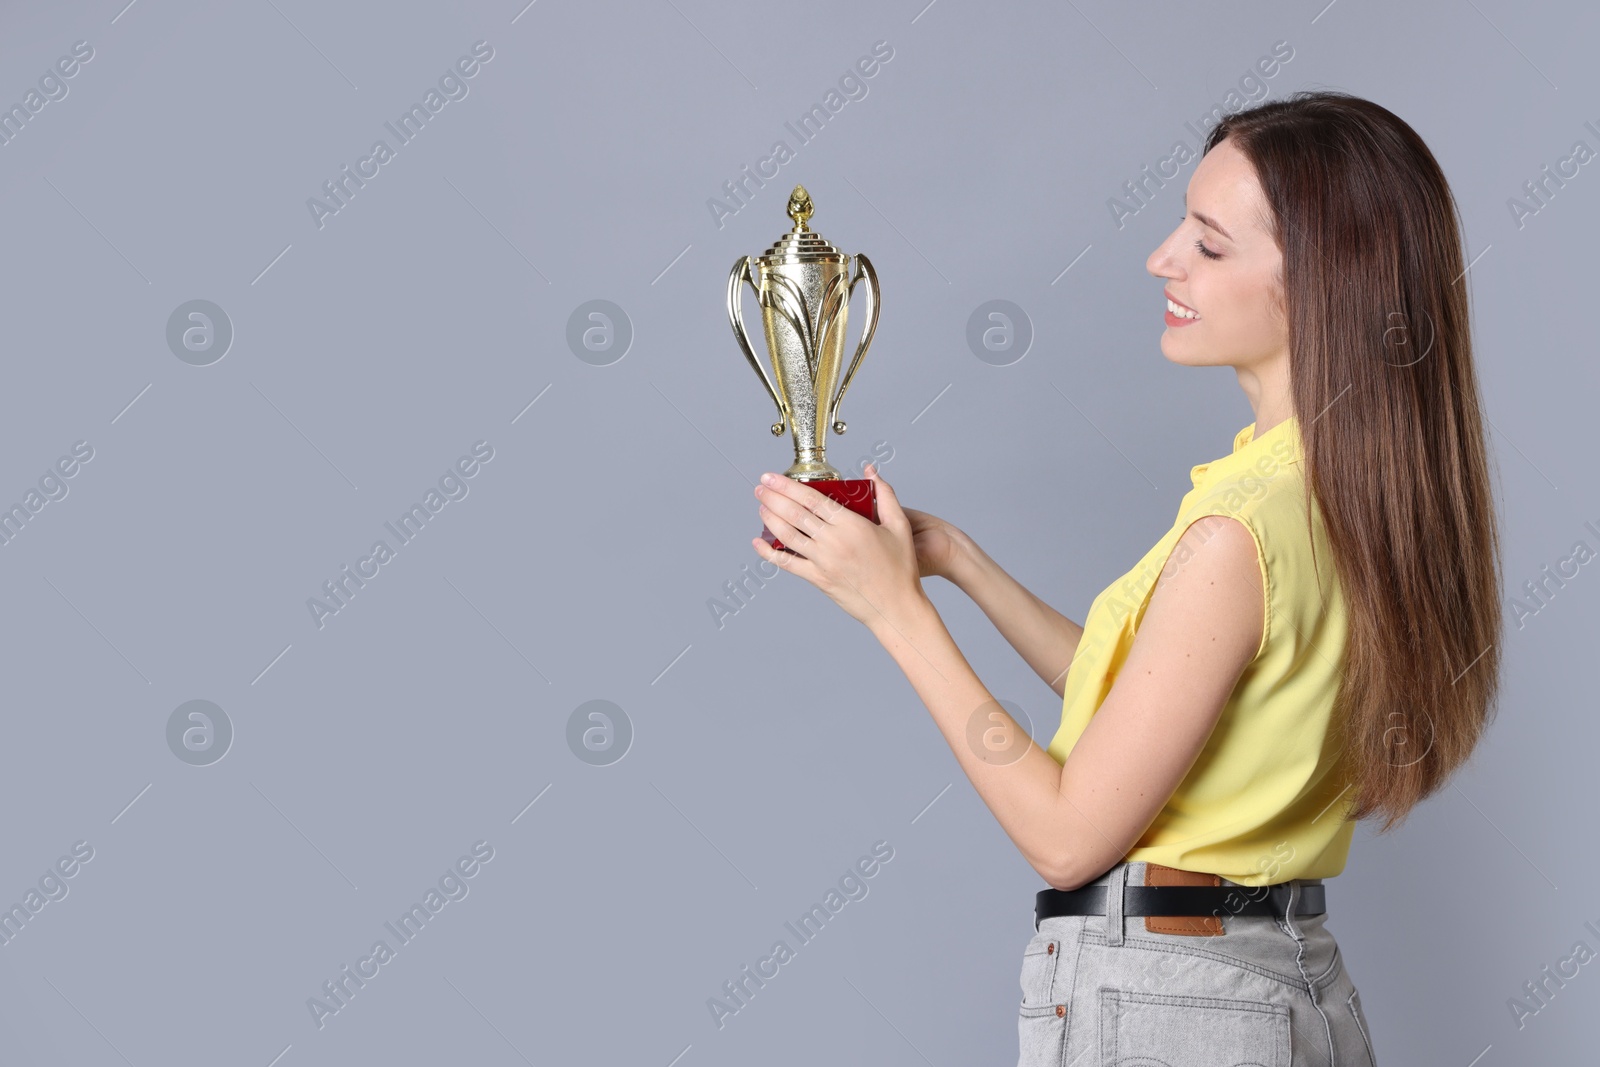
937	542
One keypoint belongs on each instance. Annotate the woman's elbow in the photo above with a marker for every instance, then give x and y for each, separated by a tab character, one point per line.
1080	867
1065	875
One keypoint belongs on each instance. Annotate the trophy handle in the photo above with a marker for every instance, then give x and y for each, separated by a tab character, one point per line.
739	274
863	270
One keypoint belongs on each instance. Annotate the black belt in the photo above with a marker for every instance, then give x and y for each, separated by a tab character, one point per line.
1180	900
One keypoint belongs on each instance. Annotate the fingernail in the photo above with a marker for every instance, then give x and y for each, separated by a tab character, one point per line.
770	479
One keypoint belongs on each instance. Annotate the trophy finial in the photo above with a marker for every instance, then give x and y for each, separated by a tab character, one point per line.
800	208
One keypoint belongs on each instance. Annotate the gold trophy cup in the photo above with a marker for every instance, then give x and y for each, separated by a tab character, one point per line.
804	286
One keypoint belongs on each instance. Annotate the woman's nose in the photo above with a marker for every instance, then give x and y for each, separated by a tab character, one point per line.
1160	262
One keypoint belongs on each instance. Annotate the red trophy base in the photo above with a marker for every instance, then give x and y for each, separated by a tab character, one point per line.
860	495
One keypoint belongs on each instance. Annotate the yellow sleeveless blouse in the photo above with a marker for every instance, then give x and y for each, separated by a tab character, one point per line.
1265	801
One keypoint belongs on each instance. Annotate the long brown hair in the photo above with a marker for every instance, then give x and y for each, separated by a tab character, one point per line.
1382	382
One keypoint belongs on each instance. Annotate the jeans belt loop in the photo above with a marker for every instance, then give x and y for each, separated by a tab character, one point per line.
1114	903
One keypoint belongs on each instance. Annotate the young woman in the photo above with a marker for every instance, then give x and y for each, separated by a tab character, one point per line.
1315	641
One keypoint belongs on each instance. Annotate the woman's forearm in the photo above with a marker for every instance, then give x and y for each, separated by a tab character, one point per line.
1018	781
1046	639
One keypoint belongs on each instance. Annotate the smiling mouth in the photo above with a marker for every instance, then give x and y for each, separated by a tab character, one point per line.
1179	315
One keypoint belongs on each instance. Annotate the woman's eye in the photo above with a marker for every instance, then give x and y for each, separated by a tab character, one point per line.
1200	246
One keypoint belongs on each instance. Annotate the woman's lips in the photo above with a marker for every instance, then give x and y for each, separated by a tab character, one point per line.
1173	304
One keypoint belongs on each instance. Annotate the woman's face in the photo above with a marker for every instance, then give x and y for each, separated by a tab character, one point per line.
1237	297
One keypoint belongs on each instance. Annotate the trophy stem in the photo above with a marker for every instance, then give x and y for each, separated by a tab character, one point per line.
812	468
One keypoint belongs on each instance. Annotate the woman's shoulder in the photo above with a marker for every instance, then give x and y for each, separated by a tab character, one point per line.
1264	501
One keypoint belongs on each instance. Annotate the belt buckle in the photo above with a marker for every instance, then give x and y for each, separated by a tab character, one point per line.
1187	925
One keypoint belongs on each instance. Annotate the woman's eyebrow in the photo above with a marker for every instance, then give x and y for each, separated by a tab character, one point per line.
1205	219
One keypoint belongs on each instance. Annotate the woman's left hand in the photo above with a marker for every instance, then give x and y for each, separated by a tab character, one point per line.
868	569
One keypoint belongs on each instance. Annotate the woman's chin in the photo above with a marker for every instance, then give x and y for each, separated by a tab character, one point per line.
1187	354
1178	352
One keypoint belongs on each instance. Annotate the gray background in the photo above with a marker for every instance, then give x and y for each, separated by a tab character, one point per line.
771	752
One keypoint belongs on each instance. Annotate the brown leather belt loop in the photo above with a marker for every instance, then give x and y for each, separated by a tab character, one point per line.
1195	925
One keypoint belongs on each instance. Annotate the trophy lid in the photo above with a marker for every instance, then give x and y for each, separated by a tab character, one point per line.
802	244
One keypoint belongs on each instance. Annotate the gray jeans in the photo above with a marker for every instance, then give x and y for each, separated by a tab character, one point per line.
1270	991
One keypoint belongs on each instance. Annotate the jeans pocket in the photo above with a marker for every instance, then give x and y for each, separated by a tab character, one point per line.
1157	1030
1039	962
1361	1023
1041	1035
